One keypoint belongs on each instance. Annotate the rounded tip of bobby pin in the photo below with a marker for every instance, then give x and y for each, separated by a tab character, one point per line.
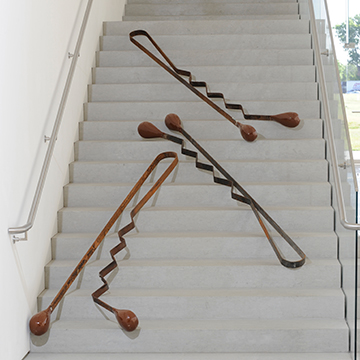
289	119
126	319
247	132
40	322
173	122
148	130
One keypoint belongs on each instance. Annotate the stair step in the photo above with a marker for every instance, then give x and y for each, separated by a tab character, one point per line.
242	171
236	217
189	336
198	274
190	356
157	110
201	129
206	9
186	58
176	91
201	2
198	270
311	149
209	17
273	194
198	27
215	304
193	245
210	42
210	74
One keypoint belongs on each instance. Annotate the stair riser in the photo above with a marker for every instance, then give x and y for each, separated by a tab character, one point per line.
215	307
87	172
149	111
196	340
209	27
226	275
211	42
194	356
212	9
312	149
202	2
210	74
183	59
205	129
174	247
307	219
217	195
176	92
210	17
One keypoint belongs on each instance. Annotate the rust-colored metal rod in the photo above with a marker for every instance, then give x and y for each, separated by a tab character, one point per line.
148	130
40	322
289	119
126	318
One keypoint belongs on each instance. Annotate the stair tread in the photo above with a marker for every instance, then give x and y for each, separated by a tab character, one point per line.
188	324
173	184
184	58
214	41
194	208
273	262
205	9
213	83
221	141
198	102
262	149
212	36
225	292
212	74
184	161
173	92
202	2
190	356
145	234
204	26
207	17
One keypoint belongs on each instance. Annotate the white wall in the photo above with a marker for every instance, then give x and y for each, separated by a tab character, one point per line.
36	37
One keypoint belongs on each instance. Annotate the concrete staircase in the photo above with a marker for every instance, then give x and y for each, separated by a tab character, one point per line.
198	271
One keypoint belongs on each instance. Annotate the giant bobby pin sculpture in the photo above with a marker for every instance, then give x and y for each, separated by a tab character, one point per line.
40	322
289	119
173	122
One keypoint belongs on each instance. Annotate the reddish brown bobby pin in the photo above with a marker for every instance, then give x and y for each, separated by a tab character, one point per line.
40	322
288	119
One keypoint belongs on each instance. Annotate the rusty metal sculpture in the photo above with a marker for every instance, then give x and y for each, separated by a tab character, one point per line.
248	132
173	122
40	322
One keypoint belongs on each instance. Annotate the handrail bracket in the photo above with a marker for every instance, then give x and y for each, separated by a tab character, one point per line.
15	237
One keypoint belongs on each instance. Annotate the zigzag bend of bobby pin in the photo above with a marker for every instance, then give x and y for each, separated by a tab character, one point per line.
247	200
289	119
127	228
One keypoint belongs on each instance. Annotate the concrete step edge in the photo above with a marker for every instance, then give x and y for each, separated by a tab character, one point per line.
189	356
187	324
263	292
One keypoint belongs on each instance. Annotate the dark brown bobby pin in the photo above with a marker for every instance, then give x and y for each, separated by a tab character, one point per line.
173	122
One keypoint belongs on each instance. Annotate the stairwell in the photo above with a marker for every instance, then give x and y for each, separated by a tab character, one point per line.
198	271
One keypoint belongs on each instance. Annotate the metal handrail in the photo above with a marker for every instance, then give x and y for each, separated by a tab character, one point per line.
327	115
36	200
346	124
